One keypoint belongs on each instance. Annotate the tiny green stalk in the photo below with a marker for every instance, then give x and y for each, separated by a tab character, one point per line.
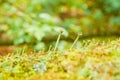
49	48
78	36
58	40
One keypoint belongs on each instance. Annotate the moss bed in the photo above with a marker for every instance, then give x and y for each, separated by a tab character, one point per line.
93	60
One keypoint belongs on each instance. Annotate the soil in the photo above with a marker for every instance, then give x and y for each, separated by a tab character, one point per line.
6	49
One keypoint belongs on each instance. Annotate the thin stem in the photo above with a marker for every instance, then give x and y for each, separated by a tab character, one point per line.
49	48
78	36
58	40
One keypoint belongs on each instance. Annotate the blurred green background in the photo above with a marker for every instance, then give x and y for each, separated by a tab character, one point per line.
38	22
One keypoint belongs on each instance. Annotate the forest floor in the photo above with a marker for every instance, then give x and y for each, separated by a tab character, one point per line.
92	60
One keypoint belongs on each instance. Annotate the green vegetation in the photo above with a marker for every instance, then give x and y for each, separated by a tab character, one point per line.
92	60
32	22
59	40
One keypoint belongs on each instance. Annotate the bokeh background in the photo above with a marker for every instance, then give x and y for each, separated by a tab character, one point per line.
38	22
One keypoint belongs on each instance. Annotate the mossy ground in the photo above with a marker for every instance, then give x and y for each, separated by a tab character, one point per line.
92	60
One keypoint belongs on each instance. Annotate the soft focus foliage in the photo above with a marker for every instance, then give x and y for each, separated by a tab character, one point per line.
46	29
29	21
